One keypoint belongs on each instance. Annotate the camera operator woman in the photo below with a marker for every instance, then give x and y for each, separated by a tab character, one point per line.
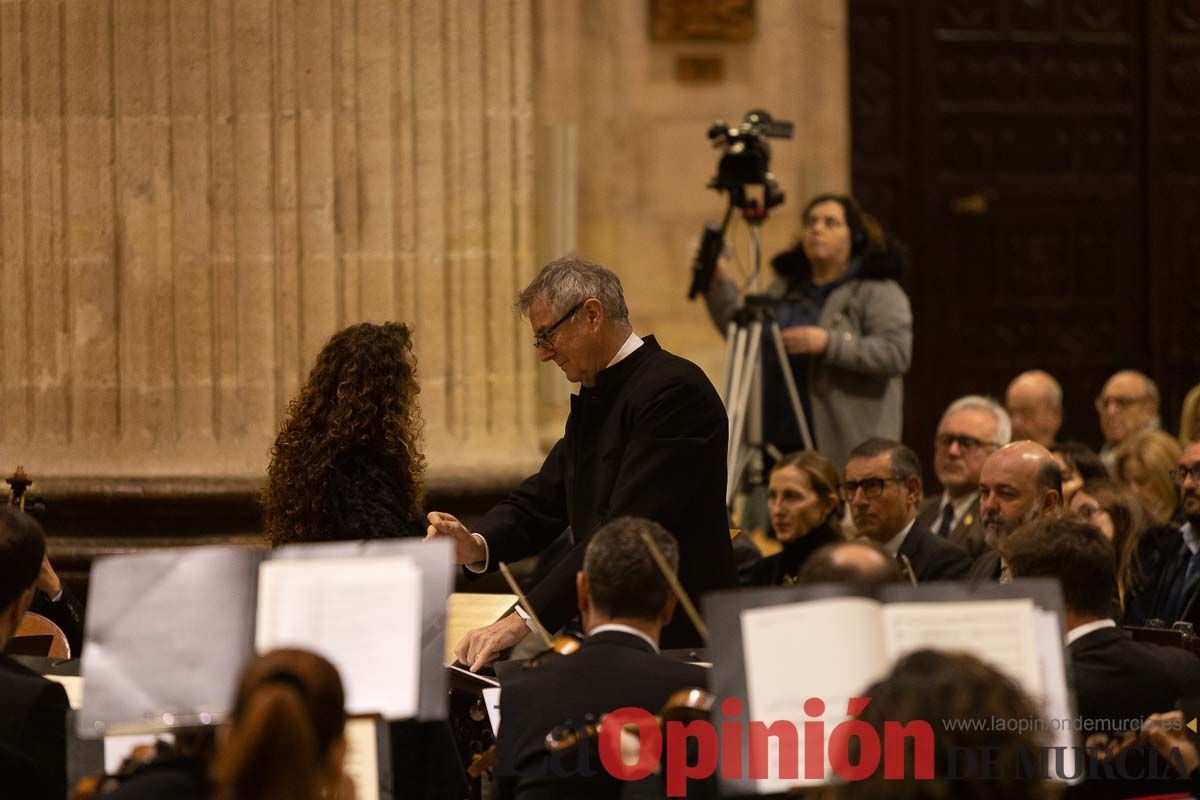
847	329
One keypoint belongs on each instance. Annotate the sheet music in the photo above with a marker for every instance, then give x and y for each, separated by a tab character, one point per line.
829	649
73	685
1055	700
466	611
363	614
362	756
475	675
999	632
491	699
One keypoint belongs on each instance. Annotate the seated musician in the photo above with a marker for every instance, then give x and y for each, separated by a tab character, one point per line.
33	746
624	601
802	498
55	601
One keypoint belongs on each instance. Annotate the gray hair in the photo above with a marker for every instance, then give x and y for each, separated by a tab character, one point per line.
978	402
567	281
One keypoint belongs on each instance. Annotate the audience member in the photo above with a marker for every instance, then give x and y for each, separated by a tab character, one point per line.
1079	464
1189	416
802	498
1018	483
971	428
882	487
938	688
1117	681
1144	463
1035	403
1118	514
347	462
1128	404
847	329
625	601
1169	555
860	561
33	710
286	734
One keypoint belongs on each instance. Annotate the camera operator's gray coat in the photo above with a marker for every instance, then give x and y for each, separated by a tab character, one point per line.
857	385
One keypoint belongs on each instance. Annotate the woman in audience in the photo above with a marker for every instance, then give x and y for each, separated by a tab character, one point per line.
1079	464
1144	464
803	502
347	462
1189	417
938	688
847	330
286	737
1118	514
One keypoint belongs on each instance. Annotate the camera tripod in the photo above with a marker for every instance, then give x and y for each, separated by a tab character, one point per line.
743	388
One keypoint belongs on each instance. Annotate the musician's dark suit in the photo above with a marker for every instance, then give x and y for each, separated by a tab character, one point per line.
33	715
986	567
1117	678
612	669
1120	680
648	440
967	534
933	558
66	613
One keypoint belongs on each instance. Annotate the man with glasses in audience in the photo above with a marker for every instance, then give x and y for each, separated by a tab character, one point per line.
1170	554
971	429
1019	483
882	488
646	437
1127	405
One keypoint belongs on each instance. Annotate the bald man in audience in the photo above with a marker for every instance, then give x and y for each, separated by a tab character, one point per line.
850	562
1019	483
1035	404
33	710
1128	404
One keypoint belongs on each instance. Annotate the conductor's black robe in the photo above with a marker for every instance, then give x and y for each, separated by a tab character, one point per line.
648	440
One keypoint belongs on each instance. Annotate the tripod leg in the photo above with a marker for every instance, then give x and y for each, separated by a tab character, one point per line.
732	348
741	405
789	380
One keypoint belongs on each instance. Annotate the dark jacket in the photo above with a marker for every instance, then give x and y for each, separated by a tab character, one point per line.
934	559
610	670
985	568
648	440
366	498
782	568
33	721
1162	558
967	534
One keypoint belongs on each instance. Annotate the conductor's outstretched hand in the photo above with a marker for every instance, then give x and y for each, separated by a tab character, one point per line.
467	548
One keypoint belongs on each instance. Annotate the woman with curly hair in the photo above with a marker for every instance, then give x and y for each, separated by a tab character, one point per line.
347	462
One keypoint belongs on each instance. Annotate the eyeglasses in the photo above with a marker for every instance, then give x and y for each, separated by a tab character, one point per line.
1180	474
871	487
1122	403
965	443
545	338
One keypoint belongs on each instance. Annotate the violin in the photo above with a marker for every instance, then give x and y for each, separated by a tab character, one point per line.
684	705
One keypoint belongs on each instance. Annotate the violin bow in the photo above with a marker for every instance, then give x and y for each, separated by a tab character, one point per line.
524	601
675	585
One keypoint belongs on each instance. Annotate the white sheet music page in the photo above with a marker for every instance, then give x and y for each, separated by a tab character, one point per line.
828	649
999	632
361	613
362	756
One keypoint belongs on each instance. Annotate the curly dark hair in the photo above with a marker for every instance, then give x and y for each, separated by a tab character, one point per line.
361	393
939	686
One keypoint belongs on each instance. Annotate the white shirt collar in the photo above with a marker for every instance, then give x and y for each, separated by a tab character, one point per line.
613	626
1080	631
893	544
1190	537
632	343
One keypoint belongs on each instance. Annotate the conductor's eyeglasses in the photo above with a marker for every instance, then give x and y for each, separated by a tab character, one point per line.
545	338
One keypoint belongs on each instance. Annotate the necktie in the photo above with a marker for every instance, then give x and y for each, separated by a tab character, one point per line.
947	522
